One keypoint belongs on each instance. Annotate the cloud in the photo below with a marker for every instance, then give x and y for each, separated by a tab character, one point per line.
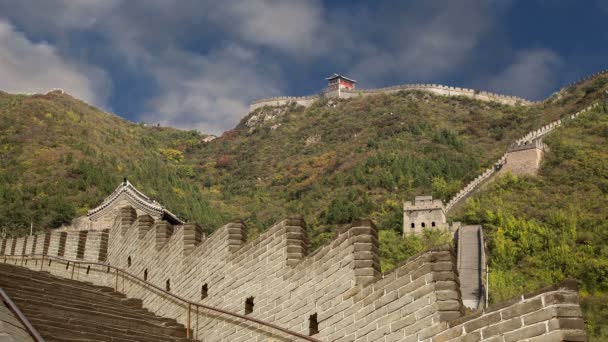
292	26
532	74
209	93
430	39
28	67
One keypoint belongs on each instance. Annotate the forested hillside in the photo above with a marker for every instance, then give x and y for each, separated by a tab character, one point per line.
542	230
60	157
332	162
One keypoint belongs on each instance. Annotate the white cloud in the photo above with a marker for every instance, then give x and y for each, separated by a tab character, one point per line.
532	74
28	67
293	26
432	39
209	93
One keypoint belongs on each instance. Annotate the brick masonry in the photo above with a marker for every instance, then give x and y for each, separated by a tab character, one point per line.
341	283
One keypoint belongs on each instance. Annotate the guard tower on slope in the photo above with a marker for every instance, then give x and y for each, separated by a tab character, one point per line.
424	213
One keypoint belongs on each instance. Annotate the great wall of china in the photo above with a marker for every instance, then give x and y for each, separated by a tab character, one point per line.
339	286
532	140
237	285
432	88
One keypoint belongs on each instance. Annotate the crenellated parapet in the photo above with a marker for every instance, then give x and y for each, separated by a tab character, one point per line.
585	79
432	88
339	286
523	157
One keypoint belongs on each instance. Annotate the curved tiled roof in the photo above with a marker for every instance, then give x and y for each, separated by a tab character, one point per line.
140	200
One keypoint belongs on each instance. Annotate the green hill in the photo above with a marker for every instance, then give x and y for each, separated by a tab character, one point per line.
333	162
60	157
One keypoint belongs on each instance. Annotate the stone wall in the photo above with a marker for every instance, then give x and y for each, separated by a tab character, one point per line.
283	100
444	91
340	284
521	162
433	88
524	159
587	78
550	314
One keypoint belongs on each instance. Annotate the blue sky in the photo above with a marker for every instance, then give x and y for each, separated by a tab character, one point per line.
196	64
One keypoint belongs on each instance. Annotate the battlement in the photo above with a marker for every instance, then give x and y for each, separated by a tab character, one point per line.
528	145
334	91
522	157
586	78
340	283
339	286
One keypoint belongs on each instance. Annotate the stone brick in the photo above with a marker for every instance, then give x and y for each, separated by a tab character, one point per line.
431	331
539	316
502	327
470	337
574	336
522	308
569	311
527	332
555	336
561	298
482	321
449	334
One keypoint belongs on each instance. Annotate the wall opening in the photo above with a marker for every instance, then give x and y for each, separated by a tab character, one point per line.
13	246
50	261
62	238
146	274
248	305
129	261
168	285
413	225
33	251
108	270
204	290
423	225
82	240
313	325
24	245
433	224
88	269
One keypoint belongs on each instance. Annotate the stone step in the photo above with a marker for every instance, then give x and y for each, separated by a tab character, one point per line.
117	320
95	328
68	310
44	276
75	296
70	302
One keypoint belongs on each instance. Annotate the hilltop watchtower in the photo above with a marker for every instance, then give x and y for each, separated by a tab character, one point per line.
336	83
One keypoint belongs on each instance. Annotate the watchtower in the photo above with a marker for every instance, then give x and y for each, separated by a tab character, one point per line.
525	158
336	83
424	212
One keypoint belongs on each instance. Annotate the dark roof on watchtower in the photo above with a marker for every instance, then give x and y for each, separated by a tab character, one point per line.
334	76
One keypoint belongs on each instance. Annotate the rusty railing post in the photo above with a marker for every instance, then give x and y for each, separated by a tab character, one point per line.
42	263
73	267
188	333
116	281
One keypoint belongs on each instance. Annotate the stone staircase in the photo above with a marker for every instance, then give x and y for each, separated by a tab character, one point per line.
67	310
471	265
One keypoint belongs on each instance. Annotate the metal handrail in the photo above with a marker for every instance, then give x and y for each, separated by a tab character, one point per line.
190	303
26	322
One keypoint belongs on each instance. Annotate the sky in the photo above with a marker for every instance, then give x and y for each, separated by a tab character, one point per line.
197	64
